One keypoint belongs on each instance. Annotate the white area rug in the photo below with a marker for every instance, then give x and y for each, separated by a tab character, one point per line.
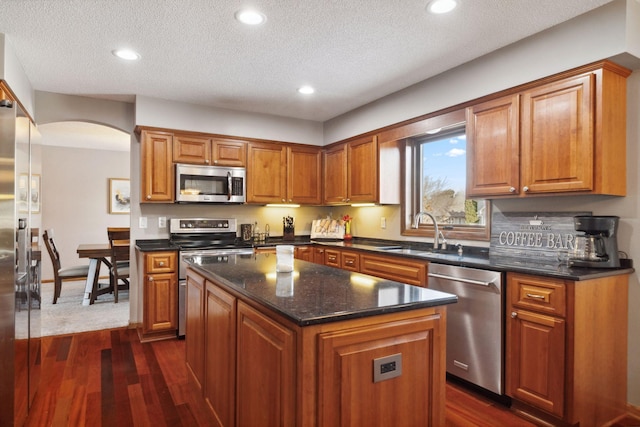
68	315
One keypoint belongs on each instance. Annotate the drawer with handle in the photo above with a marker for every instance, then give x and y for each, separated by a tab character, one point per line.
536	293
161	262
350	261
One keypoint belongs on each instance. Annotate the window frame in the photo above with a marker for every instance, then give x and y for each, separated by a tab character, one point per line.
411	195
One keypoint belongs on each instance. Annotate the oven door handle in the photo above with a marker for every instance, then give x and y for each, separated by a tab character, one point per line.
229	186
459	279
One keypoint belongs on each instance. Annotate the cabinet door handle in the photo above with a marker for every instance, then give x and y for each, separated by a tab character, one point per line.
206	161
148	196
534	296
151	279
348	262
525	188
512	189
161	263
514	314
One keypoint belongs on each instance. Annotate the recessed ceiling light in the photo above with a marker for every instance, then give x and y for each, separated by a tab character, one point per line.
306	90
127	54
250	17
441	6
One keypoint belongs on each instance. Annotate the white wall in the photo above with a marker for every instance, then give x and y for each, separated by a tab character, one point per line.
605	32
161	113
56	107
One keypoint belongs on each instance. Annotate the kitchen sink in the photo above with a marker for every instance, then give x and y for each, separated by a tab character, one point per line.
389	248
408	251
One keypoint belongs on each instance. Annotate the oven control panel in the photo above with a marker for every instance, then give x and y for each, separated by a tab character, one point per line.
202	225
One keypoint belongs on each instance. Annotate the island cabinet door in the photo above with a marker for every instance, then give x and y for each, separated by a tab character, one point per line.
266	367
388	374
220	342
194	332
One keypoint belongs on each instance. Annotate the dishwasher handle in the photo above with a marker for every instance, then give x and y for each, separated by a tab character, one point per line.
460	279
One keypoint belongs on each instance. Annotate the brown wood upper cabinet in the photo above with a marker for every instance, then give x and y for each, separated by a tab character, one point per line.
157	176
354	174
282	173
564	134
209	151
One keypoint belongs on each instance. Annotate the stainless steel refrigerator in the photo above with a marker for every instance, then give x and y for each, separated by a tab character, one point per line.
19	269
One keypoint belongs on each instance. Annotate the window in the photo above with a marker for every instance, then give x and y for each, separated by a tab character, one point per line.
436	165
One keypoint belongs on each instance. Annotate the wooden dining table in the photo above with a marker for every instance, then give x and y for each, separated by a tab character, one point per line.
98	253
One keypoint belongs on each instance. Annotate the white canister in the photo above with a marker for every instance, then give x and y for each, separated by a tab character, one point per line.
284	258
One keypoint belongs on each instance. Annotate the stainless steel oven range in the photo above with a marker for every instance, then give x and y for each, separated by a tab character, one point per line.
196	237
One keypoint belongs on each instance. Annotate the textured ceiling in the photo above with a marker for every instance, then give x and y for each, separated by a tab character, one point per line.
352	51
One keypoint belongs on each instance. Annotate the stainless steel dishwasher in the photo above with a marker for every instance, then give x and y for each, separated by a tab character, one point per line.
475	344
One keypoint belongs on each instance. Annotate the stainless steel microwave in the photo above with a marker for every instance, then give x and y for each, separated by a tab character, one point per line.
210	184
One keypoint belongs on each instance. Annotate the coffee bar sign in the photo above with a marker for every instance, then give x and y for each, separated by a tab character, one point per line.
534	236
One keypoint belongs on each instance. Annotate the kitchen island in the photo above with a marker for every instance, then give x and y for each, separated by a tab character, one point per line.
318	346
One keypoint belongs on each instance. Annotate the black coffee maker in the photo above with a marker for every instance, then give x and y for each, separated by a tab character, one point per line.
598	246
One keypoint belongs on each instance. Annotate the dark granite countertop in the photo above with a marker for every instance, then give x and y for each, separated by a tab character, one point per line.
475	257
314	293
155	245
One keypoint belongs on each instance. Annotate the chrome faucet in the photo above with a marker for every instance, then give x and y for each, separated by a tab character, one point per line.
436	234
443	241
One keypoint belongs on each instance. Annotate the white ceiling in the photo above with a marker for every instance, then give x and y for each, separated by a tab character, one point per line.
352	51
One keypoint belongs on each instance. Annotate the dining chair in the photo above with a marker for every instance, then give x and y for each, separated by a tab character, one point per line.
61	274
119	240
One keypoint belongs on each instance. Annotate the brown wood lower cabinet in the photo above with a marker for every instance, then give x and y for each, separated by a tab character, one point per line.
266	370
400	269
160	290
261	369
346	389
220	352
304	253
194	354
566	348
395	268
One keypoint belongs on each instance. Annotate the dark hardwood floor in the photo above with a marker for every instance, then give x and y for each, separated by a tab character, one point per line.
108	378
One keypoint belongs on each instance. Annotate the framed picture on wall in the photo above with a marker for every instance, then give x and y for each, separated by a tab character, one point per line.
119	196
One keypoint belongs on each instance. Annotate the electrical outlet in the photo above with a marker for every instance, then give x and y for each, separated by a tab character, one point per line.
142	222
383	222
385	368
162	222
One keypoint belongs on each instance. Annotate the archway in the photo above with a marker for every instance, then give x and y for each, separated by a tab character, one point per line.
78	160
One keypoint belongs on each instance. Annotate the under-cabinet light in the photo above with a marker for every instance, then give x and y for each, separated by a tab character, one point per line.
282	205
362	205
